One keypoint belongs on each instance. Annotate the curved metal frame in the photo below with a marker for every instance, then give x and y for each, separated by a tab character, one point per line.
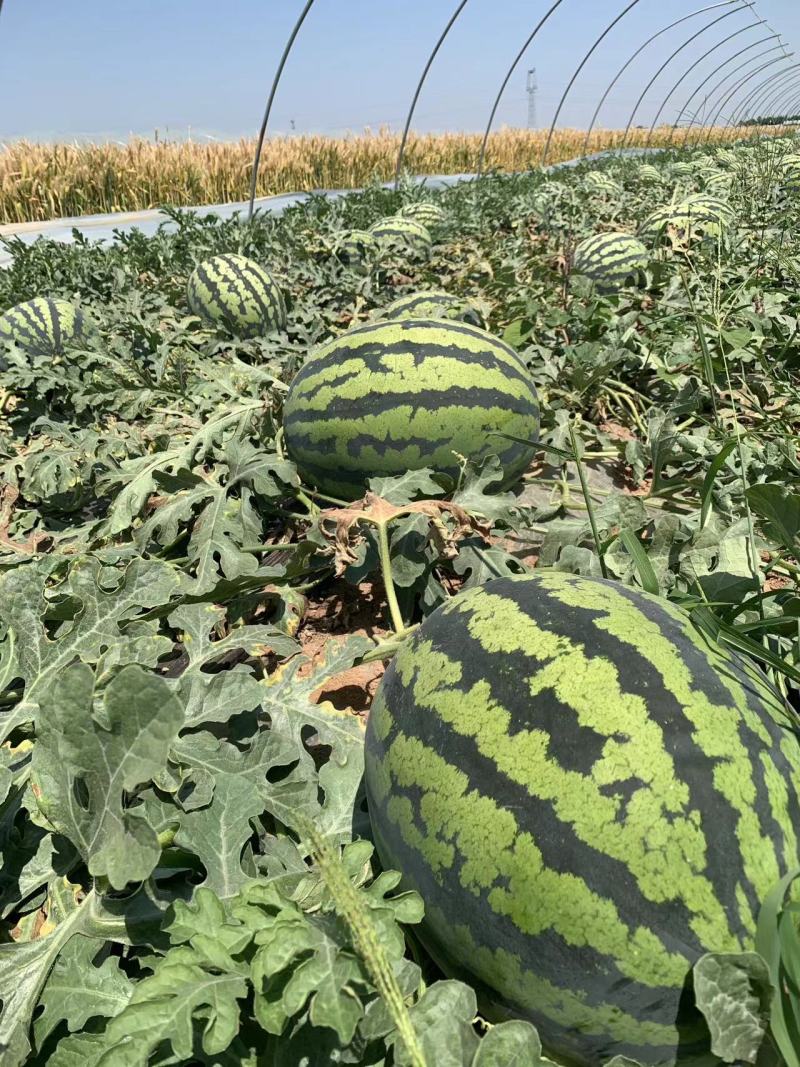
751	96
736	88
731	74
794	103
636	54
670	58
789	88
763	100
793	84
507	79
763	91
267	111
575	76
689	70
425	71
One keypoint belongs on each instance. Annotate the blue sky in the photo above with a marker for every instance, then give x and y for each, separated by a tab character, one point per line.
107	68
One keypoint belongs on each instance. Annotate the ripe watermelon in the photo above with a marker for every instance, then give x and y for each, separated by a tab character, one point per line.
697	215
390	397
405	236
237	293
600	184
44	326
432	304
648	173
588	795
611	259
358	248
430	215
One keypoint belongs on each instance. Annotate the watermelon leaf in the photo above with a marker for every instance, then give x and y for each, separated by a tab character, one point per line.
510	1044
734	992
91	756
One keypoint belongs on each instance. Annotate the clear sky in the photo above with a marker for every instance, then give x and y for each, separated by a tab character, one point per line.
108	68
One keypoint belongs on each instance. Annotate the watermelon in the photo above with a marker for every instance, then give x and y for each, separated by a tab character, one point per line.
430	215
237	293
600	184
405	236
611	259
358	248
390	397
432	304
44	326
648	173
699	214
718	182
589	796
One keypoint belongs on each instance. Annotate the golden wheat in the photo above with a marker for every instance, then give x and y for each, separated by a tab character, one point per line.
45	181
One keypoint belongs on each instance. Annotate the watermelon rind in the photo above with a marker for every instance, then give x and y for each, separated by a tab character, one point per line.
432	304
389	397
238	294
44	326
589	795
611	259
405	236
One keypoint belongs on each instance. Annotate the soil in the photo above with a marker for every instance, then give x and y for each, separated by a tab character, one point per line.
339	611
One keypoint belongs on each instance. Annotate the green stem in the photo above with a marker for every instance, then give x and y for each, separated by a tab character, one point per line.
313	509
388	580
588	500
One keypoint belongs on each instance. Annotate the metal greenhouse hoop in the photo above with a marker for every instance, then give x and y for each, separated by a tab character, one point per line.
575	76
415	98
722	82
764	89
636	54
507	79
670	58
759	88
689	70
763	100
268	110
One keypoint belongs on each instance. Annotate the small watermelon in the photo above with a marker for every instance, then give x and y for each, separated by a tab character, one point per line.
390	397
405	236
235	292
611	259
44	326
358	248
430	215
600	184
432	304
589	796
648	173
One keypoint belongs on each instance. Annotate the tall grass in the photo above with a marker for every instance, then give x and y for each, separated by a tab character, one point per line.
44	181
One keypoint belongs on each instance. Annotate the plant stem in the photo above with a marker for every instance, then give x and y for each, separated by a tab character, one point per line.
588	500
388	580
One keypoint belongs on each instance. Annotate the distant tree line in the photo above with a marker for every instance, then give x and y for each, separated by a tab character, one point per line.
772	120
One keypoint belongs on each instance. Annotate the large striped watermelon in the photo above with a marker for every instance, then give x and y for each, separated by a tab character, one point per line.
237	293
357	248
432	304
390	397
405	236
696	215
611	259
44	326
600	184
589	796
429	214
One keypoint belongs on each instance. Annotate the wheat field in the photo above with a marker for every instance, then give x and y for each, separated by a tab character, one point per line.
45	181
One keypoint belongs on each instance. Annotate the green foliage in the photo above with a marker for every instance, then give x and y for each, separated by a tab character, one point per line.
165	740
